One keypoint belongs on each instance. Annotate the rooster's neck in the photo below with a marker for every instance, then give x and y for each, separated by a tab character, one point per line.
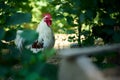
42	27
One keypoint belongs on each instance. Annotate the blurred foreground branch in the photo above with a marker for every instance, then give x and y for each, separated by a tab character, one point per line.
74	52
76	66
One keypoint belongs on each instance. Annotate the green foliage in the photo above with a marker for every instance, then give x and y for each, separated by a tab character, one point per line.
116	37
90	13
72	39
88	42
18	18
29	35
2	33
11	33
27	66
100	60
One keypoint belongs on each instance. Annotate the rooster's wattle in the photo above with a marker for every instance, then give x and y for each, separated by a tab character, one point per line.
45	39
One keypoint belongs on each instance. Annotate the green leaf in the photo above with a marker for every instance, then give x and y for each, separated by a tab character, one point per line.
89	41
85	4
105	65
29	35
69	20
59	17
49	71
70	31
70	40
2	33
82	17
10	35
18	18
116	37
3	70
32	76
71	37
108	21
42	57
49	53
23	72
46	54
90	14
85	33
26	57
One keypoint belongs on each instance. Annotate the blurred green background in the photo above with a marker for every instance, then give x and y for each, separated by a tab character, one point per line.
92	18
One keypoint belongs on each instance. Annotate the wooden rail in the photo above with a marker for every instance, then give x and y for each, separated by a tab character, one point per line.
75	65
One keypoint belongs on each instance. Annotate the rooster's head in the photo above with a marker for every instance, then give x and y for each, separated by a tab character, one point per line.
48	19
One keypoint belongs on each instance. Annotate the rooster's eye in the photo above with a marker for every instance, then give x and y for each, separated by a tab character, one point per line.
46	18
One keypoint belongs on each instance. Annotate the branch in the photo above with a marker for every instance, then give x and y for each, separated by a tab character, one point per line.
74	52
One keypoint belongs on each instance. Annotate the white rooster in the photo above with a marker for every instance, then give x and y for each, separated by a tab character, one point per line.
45	39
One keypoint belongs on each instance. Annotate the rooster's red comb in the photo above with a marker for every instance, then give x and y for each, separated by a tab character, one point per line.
46	14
